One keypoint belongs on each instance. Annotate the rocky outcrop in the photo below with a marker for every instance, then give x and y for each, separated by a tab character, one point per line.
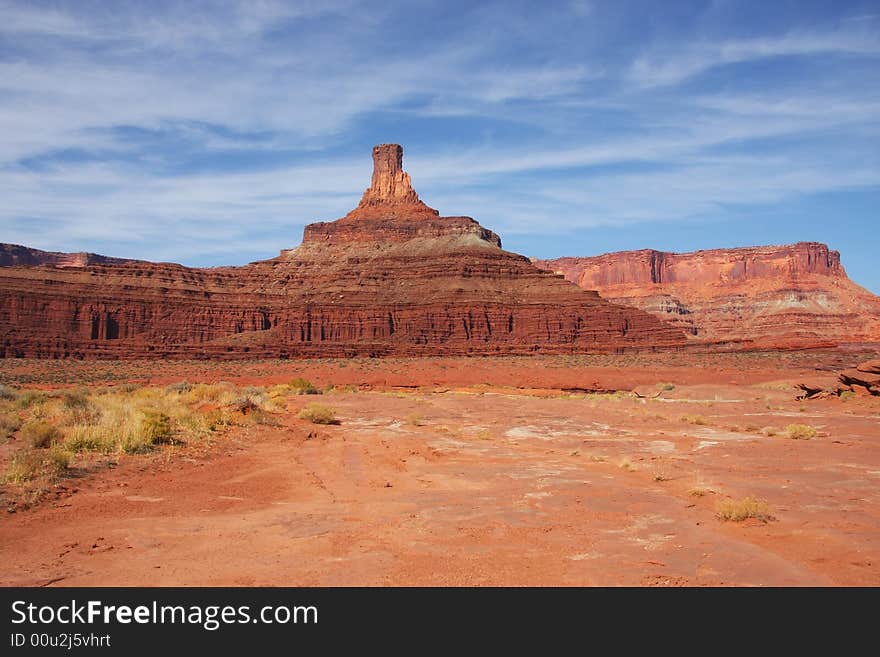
865	375
773	296
861	379
390	278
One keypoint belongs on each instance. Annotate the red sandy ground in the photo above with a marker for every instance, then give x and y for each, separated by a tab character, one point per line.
491	485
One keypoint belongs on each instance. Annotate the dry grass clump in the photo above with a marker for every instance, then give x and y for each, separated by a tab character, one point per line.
415	419
244	404
7	393
133	422
208	393
616	396
30	464
626	464
301	386
156	427
739	510
800	432
694	419
31	398
55	427
278	391
180	387
318	414
75	399
137	421
10	422
774	385
39	434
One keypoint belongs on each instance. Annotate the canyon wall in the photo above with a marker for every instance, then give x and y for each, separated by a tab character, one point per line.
794	296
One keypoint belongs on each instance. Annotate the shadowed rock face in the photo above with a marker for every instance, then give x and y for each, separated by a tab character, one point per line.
390	278
772	296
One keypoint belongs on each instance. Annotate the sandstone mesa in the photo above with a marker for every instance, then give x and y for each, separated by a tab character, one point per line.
392	277
769	297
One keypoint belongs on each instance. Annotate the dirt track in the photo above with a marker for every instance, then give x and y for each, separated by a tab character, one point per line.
487	486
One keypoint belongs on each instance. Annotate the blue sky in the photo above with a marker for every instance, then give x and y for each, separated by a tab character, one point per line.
211	133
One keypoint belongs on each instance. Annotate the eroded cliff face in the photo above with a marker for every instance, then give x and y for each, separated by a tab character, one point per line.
390	189
772	296
390	278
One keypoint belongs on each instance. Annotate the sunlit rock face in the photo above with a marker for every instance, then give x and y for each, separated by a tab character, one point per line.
790	296
392	277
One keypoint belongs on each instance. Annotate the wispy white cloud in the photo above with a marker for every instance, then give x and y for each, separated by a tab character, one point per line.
673	65
587	140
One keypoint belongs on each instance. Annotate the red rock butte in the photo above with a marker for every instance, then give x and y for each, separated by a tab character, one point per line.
390	190
392	277
792	296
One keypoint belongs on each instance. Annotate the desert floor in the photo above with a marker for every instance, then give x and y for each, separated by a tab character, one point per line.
479	472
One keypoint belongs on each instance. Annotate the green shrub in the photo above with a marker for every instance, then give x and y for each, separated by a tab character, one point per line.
75	399
89	439
57	460
31	398
318	414
7	393
40	435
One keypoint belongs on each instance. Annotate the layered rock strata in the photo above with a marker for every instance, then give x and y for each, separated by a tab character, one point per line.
790	296
390	278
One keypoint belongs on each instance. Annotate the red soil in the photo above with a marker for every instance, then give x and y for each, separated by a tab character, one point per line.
489	485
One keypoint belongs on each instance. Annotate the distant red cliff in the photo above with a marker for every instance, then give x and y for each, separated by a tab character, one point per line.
12	255
796	295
